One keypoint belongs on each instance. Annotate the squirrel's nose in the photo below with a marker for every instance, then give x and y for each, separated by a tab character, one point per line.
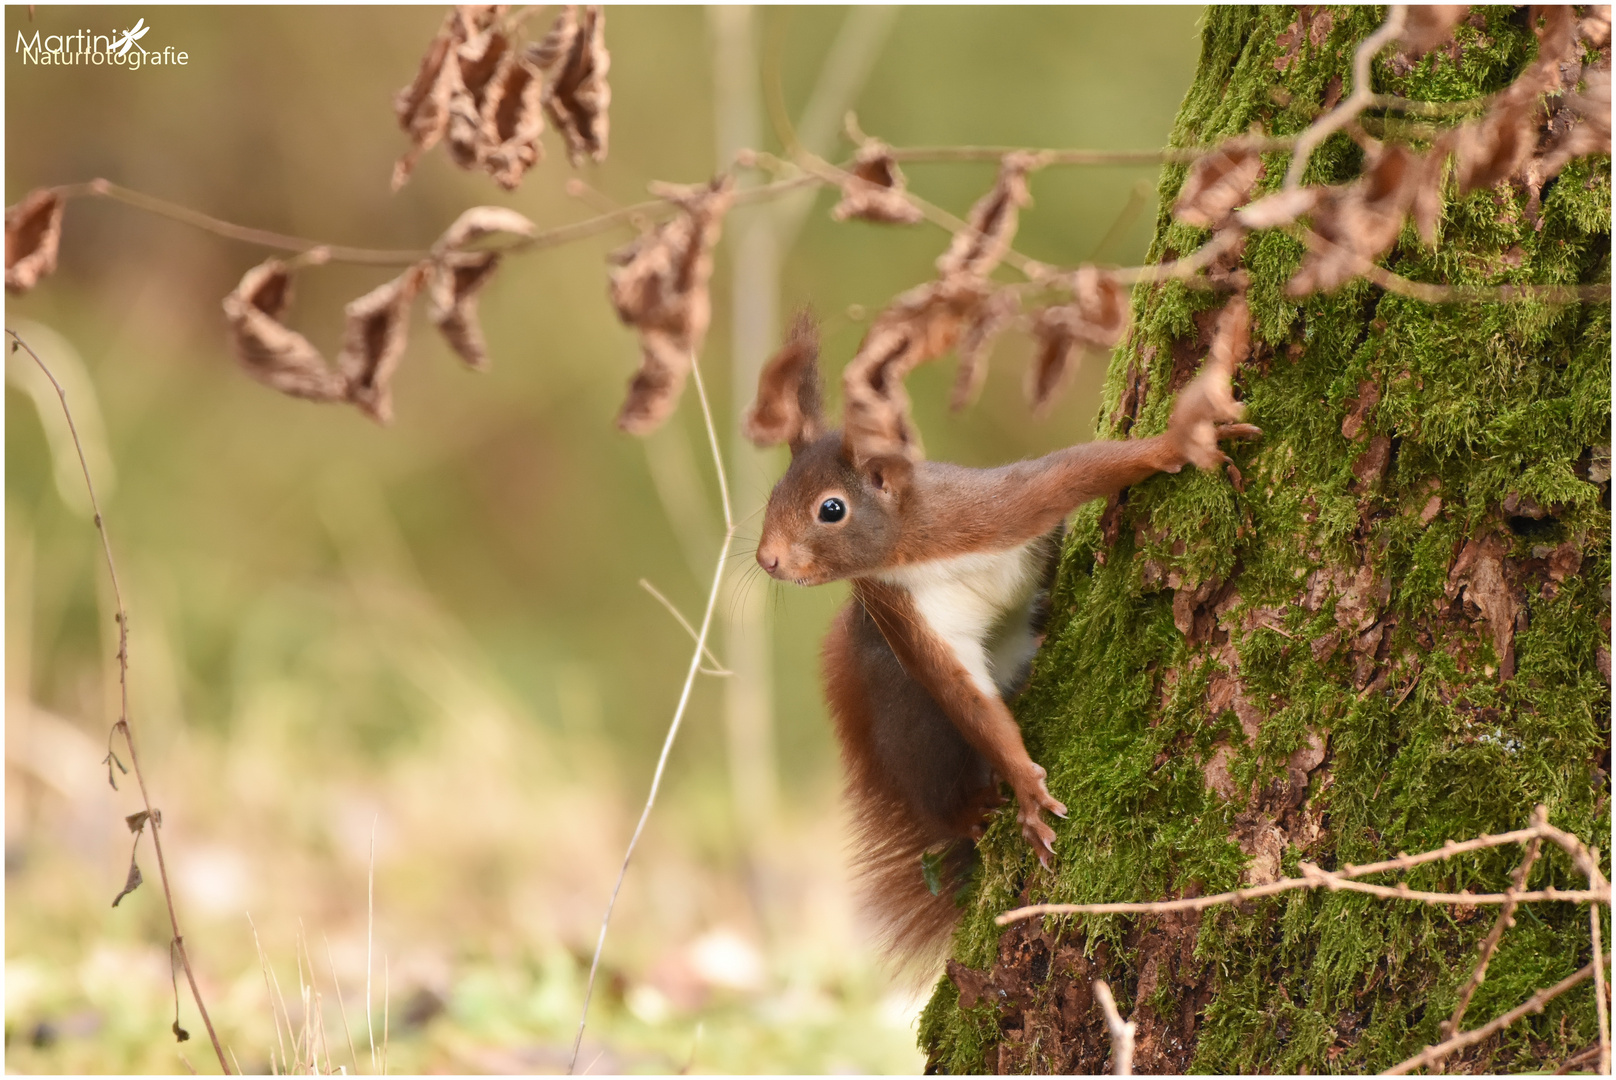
768	557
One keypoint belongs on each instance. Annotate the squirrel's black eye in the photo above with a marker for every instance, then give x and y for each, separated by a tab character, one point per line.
832	510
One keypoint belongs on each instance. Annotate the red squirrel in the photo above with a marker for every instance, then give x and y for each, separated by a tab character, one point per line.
950	570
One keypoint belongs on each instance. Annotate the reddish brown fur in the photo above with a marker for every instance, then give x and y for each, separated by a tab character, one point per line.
924	741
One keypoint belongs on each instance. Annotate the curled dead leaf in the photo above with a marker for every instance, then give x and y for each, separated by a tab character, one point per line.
778	414
992	317
875	189
1360	221
919	325
33	233
131	882
452	289
478	58
978	249
1280	208
511	121
1097	317
373	342
1217	183
423	106
1591	135
1426	26
479	222
658	285
575	61
272	353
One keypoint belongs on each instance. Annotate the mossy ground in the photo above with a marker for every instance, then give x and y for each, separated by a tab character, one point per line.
1427	733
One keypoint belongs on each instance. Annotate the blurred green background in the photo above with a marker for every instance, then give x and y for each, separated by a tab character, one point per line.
428	640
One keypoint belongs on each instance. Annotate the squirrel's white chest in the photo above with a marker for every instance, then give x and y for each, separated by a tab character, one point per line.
980	605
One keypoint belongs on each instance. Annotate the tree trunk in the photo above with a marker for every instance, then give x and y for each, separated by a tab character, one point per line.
1385	628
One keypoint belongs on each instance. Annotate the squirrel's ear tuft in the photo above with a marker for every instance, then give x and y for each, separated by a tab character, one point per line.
889	473
789	406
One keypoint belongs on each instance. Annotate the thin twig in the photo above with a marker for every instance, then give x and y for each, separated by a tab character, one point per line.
1600	997
1535	1004
1121	1031
122	726
1452	294
1361	98
718	668
1506	919
1313	878
678	713
370	940
1042	158
340	253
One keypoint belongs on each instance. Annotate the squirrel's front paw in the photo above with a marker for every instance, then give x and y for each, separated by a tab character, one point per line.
1034	800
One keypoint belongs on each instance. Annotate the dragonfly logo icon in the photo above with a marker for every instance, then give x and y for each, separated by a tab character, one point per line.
122	46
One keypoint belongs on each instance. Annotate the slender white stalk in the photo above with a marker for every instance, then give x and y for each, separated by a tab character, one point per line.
678	713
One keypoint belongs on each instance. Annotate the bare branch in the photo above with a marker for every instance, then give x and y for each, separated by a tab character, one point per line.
1432	1054
1313	877
1506	919
1121	1031
1361	98
152	816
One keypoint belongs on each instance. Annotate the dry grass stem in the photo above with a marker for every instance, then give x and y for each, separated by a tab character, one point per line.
717	667
153	817
341	1004
1601	998
678	713
1121	1031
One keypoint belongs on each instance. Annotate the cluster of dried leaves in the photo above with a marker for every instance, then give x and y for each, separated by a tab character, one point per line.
658	284
962	309
377	328
33	233
485	93
1530	131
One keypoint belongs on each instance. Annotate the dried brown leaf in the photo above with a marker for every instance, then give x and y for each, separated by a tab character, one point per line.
875	189
1493	149
919	325
511	122
788	406
275	355
655	388
1097	317
479	222
373	342
1280	208
1361	221
1480	571
423	106
575	61
1217	183
658	285
131	882
478	58
1058	356
33	233
1591	135
993	317
1595	26
452	301
1427	26
978	249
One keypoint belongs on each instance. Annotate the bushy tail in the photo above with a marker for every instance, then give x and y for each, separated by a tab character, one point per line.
907	880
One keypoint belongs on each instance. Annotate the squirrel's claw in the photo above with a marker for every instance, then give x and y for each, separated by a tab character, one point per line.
1239	431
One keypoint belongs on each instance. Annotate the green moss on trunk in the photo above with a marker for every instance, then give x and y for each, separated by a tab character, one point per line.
1387	633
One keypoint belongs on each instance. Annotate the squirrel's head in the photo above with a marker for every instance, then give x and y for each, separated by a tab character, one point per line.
832	515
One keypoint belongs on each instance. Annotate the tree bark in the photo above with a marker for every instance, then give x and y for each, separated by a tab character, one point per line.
1384	628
